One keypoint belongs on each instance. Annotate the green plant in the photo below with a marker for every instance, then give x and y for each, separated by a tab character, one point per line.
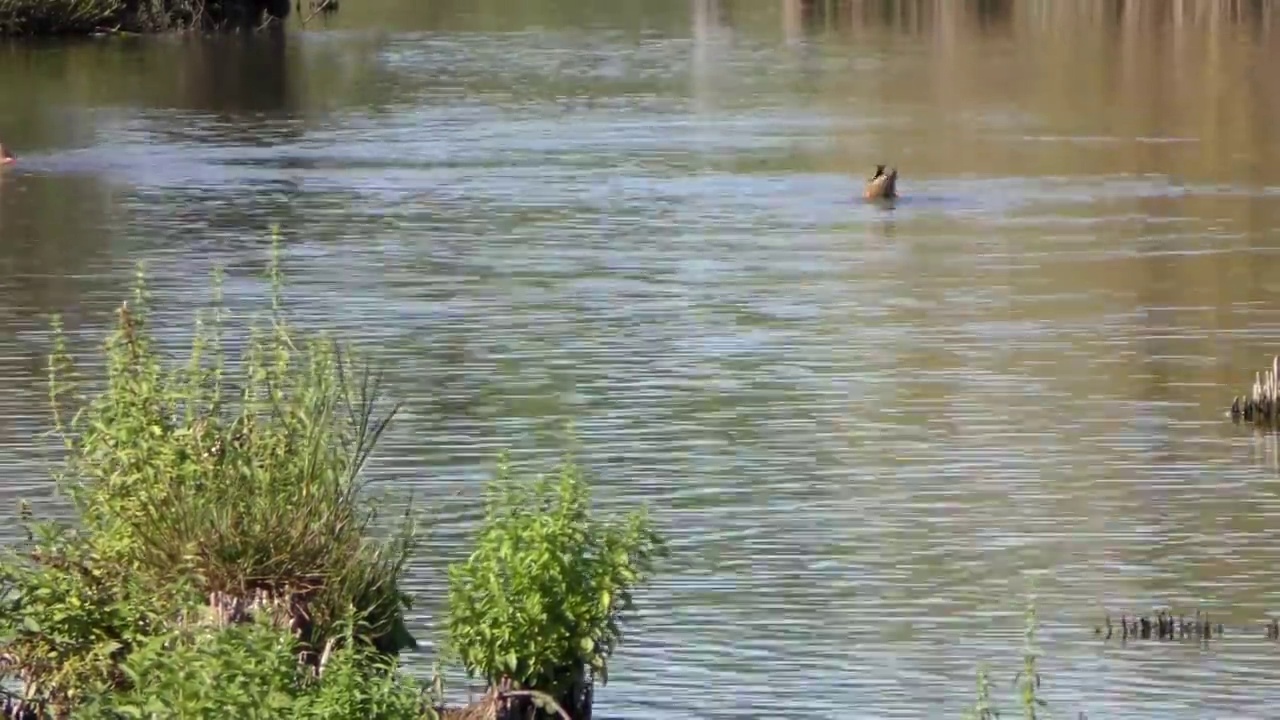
97	643
541	599
1028	679
244	671
983	709
358	683
247	481
229	489
67	618
251	671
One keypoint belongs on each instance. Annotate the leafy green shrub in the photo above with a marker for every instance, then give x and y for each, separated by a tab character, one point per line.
248	482
358	683
234	490
99	643
540	600
251	671
67	618
244	671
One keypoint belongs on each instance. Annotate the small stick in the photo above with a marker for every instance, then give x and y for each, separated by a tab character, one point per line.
318	9
324	657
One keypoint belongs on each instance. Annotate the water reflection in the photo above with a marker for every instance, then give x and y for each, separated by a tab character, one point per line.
945	17
242	74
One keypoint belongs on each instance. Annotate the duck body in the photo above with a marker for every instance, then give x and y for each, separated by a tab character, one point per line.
882	185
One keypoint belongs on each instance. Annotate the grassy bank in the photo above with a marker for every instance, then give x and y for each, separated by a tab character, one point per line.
85	17
227	560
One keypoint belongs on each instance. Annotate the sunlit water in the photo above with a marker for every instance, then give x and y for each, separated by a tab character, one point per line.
872	433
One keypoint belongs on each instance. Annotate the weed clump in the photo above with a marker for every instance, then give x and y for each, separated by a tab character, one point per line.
536	610
227	561
208	495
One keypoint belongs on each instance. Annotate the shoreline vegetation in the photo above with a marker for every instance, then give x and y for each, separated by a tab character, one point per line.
227	560
54	18
33	18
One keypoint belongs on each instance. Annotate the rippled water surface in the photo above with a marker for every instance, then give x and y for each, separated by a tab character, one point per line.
871	432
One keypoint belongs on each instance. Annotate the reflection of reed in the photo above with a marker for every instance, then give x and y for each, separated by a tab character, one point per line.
944	16
241	74
1266	447
708	28
1192	67
1189	71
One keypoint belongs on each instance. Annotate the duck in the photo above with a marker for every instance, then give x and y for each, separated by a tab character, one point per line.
882	186
6	157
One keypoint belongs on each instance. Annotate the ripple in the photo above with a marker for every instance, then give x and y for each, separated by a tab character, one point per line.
868	432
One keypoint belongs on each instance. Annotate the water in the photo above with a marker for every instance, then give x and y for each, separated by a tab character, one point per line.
871	433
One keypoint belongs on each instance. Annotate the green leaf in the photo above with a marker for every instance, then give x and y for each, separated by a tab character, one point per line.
546	578
30	625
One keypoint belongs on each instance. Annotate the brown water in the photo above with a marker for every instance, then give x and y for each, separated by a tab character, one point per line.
871	432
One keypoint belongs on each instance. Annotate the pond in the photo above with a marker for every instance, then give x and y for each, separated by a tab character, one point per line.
871	432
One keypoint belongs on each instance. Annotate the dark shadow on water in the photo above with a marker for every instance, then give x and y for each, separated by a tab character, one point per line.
992	14
249	82
241	74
